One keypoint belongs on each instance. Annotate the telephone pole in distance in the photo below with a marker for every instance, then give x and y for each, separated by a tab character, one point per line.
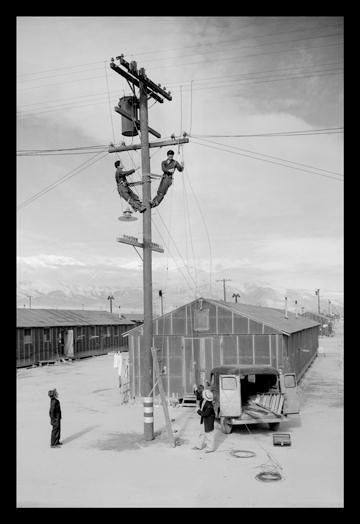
223	280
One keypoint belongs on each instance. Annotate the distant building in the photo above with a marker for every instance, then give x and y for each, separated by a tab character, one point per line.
205	333
325	321
136	318
50	334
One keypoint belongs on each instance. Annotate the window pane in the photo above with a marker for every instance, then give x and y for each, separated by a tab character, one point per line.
201	320
289	381
228	383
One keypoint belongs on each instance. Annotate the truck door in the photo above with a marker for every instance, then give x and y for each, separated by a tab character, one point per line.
291	396
230	398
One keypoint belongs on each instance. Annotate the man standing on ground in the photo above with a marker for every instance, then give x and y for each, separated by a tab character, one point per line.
55	417
207	414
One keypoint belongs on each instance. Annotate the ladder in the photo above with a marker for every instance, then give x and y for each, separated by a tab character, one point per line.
272	402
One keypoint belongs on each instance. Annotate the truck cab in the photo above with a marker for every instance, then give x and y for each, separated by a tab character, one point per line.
252	395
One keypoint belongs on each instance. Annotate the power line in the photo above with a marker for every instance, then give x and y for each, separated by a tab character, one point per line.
310	132
273	157
312	68
63	179
102	147
219	85
157	51
237	58
268	161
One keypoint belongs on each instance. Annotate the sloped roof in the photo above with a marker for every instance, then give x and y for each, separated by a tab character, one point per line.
136	317
271	317
66	317
244	369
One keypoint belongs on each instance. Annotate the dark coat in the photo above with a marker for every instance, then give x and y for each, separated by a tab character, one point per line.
120	176
198	394
55	411
169	167
207	415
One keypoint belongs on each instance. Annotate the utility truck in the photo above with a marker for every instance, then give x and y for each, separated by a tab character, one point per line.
253	394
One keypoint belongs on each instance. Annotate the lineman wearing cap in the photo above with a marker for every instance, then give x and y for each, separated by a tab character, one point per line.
124	187
207	414
168	166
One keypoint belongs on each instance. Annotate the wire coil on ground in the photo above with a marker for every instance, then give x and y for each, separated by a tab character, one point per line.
268	476
242	453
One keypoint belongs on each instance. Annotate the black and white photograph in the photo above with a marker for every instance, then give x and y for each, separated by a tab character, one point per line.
179	261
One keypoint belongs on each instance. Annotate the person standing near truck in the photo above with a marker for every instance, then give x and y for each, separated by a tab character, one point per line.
207	414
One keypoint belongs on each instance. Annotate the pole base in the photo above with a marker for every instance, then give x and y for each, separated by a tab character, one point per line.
149	431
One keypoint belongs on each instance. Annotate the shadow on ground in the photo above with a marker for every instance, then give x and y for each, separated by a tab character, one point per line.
128	441
78	434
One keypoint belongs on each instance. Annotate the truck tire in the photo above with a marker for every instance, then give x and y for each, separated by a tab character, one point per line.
225	426
274	426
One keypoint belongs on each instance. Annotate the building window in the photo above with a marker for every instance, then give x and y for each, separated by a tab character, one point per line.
289	381
201	319
116	330
46	335
27	336
228	383
106	331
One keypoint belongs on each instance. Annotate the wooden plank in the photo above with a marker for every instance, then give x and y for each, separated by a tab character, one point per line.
281	402
163	398
268	409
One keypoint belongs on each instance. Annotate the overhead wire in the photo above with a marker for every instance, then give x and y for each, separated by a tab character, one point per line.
273	157
331	25
67	176
103	147
155	58
268	161
310	132
218	85
207	79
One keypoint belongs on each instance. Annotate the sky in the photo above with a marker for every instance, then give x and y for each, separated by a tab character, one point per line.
264	212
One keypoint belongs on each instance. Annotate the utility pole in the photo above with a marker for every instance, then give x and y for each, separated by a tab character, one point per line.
111	298
147	89
317	292
236	296
147	254
223	280
329	302
161	301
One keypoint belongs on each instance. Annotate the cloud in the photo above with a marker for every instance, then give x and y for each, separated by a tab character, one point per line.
48	261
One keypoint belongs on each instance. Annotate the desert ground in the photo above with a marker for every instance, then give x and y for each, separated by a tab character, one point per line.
105	461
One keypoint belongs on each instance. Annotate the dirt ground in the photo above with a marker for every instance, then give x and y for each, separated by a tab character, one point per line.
105	462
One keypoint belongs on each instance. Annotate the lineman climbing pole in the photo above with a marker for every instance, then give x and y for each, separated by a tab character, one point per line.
147	89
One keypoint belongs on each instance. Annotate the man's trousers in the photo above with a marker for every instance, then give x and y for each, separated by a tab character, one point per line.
164	185
55	434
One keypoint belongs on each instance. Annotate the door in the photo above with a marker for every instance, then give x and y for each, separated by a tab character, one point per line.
230	397
291	396
205	359
69	343
189	363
